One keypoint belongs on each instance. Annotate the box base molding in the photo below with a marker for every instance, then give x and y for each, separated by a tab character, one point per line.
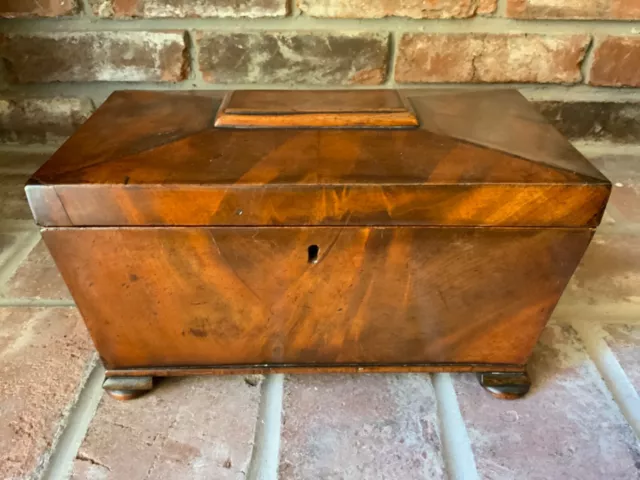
503	381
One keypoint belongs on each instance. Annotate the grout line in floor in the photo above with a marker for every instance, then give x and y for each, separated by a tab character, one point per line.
456	446
266	447
60	464
611	371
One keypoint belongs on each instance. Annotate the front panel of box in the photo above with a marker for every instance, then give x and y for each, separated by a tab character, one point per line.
216	296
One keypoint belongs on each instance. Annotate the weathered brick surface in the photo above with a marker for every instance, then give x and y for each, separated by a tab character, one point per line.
41	120
624	340
490	58
36	278
15	169
295	58
37	8
567	427
94	56
43	354
624	203
616	62
609	273
602	121
21	162
195	427
400	8
13	201
189	8
360	427
9	240
587	9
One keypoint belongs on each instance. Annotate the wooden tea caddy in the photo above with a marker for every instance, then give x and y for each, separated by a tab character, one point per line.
325	231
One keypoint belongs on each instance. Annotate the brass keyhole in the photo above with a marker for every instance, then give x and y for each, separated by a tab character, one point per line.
313	253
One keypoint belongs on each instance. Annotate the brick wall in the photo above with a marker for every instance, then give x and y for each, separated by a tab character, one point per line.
60	58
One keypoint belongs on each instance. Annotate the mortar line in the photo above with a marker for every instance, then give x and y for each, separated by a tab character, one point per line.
587	61
98	91
595	149
193	52
265	455
456	446
294	11
86	9
35	302
478	24
65	450
501	8
26	148
614	376
393	53
607	313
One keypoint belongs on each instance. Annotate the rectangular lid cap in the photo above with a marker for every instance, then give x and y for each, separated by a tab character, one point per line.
372	157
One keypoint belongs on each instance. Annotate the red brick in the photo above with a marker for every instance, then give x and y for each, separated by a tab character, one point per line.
37	278
95	56
616	62
41	120
624	340
189	8
195	427
360	426
567	426
44	354
479	57
399	8
588	9
294	57
37	8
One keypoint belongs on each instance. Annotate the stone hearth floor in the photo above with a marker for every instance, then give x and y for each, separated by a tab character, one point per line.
580	421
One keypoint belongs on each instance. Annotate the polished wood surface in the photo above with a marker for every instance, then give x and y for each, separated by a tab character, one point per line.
315	108
314	101
310	369
203	234
109	172
247	296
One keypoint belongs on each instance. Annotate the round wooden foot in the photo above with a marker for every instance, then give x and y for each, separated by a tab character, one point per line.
125	394
127	388
505	385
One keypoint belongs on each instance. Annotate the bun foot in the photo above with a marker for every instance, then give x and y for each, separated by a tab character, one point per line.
127	388
505	385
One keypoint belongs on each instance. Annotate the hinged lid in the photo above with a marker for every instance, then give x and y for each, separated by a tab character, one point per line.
418	157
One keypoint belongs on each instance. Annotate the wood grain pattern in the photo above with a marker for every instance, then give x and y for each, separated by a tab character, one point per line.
314	101
376	296
108	173
193	249
315	109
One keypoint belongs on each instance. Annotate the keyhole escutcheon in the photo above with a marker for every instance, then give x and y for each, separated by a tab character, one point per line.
312	252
